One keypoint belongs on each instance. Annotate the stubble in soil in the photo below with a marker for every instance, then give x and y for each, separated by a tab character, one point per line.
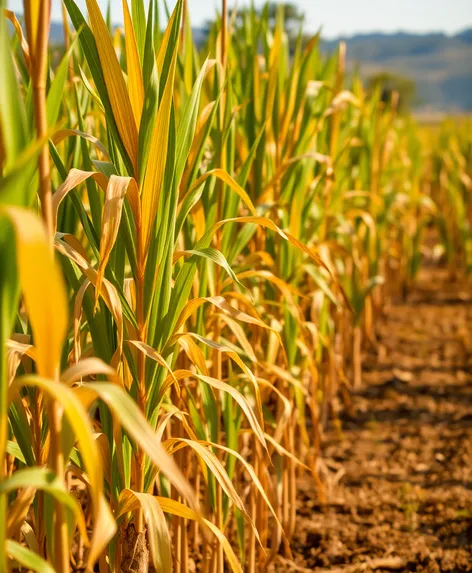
400	475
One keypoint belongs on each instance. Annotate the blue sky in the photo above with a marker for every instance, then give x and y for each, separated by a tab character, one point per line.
338	17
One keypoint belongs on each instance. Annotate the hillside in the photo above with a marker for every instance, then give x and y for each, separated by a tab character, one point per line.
440	65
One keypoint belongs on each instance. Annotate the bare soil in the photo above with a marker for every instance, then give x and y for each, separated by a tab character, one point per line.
400	474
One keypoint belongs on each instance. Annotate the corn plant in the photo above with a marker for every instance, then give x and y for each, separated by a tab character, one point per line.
192	244
448	177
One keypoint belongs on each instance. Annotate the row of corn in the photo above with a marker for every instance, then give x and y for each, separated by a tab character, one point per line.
195	245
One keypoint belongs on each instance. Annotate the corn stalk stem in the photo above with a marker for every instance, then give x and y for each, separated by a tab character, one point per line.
39	71
356	357
252	554
4	333
61	546
224	30
38	420
43	162
39	61
140	460
218	555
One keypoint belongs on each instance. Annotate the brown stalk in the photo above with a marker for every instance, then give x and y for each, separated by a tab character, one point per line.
61	549
39	64
40	501
184	558
252	553
261	512
356	357
292	485
217	561
140	460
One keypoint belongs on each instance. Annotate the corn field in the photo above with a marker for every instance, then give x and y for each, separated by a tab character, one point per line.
195	245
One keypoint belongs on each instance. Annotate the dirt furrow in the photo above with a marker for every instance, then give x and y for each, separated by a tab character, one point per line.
400	485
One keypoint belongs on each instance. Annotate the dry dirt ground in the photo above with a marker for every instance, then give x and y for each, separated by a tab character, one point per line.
400	496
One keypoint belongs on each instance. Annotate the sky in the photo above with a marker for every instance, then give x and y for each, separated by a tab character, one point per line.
339	17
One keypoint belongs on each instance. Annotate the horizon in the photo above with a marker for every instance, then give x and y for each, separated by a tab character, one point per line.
366	33
336	18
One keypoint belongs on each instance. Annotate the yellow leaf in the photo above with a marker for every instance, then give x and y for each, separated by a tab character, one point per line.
267	275
59	136
87	367
237	397
269	224
176	508
237	359
217	469
104	526
222	175
74	178
133	65
115	82
43	289
111	217
156	525
19	30
70	247
192	350
130	417
154	355
255	480
15	352
18	511
239	333
154	176
220	303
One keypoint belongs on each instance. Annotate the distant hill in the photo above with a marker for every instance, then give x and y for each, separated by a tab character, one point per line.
440	65
56	33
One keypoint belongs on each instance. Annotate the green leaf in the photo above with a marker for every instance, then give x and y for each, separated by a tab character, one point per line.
45	480
26	558
89	46
133	421
12	113
138	15
55	95
14	450
188	123
217	257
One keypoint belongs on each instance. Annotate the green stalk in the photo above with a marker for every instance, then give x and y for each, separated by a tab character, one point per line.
3	439
140	278
224	30
8	301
